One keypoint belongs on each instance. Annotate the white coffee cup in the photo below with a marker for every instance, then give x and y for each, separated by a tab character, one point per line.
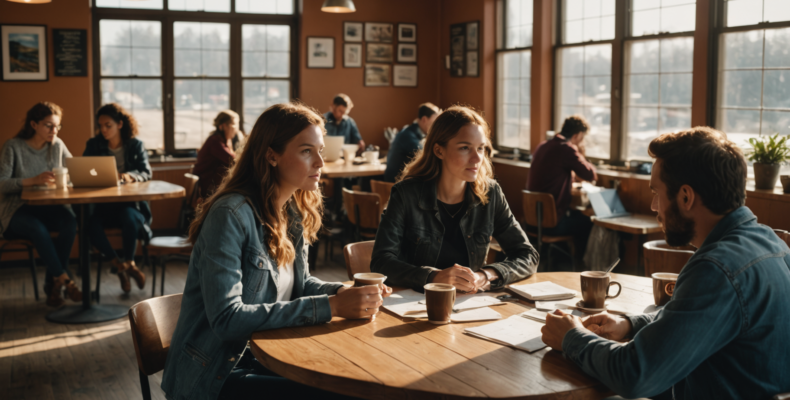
371	157
349	152
61	177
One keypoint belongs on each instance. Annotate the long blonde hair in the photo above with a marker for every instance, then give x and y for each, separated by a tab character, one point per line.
253	177
427	166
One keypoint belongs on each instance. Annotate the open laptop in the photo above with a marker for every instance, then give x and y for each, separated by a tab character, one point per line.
606	203
92	172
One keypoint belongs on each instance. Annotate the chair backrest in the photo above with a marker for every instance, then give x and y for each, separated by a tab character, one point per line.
784	235
191	193
368	206
358	256
383	189
661	257
153	323
530	203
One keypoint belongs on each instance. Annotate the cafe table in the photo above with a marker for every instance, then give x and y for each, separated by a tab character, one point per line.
639	225
339	169
390	357
151	190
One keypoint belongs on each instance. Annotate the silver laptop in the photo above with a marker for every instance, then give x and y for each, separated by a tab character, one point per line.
92	172
607	204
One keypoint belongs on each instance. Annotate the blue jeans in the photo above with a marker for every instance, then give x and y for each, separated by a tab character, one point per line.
115	215
34	223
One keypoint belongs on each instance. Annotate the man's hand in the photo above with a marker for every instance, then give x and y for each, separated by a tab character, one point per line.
557	325
459	276
608	326
126	178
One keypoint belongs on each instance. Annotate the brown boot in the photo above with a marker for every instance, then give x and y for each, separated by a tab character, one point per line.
55	298
72	291
125	285
135	273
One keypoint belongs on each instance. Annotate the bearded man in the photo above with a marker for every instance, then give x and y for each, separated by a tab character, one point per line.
724	334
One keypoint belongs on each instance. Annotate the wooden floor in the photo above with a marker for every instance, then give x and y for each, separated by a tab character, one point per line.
42	360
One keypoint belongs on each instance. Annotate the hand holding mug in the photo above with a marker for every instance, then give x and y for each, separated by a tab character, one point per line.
44	178
356	302
459	276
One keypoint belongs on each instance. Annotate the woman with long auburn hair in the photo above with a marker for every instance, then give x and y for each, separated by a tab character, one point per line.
442	214
248	270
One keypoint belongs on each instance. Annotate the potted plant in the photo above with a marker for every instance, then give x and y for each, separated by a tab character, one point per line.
768	154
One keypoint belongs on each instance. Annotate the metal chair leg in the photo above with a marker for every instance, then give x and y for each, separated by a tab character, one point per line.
33	271
144	386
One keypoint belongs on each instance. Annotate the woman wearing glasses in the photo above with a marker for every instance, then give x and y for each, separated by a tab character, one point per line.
28	160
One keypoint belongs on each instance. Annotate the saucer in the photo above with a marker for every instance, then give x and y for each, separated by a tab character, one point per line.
580	306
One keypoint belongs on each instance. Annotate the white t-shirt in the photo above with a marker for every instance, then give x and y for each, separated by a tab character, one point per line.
285	284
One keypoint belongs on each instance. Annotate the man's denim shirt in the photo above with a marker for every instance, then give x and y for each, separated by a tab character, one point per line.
347	128
725	334
231	292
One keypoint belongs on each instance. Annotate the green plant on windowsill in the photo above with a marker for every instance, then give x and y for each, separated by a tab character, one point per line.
768	153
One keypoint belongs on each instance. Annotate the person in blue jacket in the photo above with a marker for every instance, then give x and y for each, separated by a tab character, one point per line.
409	140
117	137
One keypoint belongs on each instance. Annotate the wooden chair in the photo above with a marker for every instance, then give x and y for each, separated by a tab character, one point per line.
153	322
540	211
22	245
358	256
363	212
383	189
661	257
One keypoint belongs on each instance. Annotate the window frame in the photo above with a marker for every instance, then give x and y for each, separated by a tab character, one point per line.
167	17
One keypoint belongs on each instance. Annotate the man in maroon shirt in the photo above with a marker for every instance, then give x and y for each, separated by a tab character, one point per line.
553	165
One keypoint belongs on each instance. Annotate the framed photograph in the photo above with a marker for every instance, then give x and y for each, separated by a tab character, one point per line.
404	76
377	74
378	32
407	32
352	31
472	66
472	30
70	52
24	52
407	53
457	49
320	52
379	53
352	55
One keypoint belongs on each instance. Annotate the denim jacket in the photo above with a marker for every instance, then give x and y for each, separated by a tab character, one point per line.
725	334
410	236
231	292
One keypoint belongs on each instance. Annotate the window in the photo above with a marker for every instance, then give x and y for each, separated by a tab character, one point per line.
658	78
514	67
753	12
584	87
587	20
216	59
651	17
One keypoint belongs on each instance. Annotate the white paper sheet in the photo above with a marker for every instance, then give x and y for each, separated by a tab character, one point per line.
517	332
543	291
408	303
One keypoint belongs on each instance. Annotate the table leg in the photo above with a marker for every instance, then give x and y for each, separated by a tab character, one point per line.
87	312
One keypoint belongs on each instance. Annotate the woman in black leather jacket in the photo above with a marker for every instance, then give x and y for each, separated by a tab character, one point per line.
442	214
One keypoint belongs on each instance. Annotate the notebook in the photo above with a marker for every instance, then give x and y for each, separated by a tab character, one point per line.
543	291
606	203
516	332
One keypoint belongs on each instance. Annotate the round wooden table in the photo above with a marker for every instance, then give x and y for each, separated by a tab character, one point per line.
390	358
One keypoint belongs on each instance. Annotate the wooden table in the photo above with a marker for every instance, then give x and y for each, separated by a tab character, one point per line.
151	190
390	358
636	224
339	169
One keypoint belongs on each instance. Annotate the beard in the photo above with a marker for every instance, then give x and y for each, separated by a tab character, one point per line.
678	230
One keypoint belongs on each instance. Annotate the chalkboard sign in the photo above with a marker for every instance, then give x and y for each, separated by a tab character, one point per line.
71	52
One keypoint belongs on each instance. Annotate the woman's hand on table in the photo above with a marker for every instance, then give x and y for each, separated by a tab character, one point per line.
608	326
126	178
44	178
356	302
459	276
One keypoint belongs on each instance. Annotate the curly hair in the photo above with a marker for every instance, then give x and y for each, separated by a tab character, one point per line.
427	166
253	177
118	114
706	160
573	125
36	114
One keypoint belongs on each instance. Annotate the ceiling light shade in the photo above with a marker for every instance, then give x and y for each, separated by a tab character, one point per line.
338	6
31	1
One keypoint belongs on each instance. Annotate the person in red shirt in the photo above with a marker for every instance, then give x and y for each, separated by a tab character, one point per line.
553	164
218	152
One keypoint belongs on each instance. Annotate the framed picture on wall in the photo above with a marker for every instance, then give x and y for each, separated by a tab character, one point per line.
407	53
352	31
377	74
472	66
378	32
404	76
407	32
457	49
24	52
379	53
320	52
352	55
472	33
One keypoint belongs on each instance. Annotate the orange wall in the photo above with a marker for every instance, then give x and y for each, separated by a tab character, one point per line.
73	94
375	108
477	92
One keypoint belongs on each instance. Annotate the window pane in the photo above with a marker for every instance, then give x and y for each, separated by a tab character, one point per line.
265	51
597	140
572	61
677	55
676	89
130	47
644	56
776	122
776	89
201	49
143	98
742	49
199	5
776	10
265	6
752	12
777	48
643	89
741	88
150	4
642	128
587	20
678	18
598	60
740	122
260	95
197	102
513	117
674	119
645	22
645	4
651	17
519	24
